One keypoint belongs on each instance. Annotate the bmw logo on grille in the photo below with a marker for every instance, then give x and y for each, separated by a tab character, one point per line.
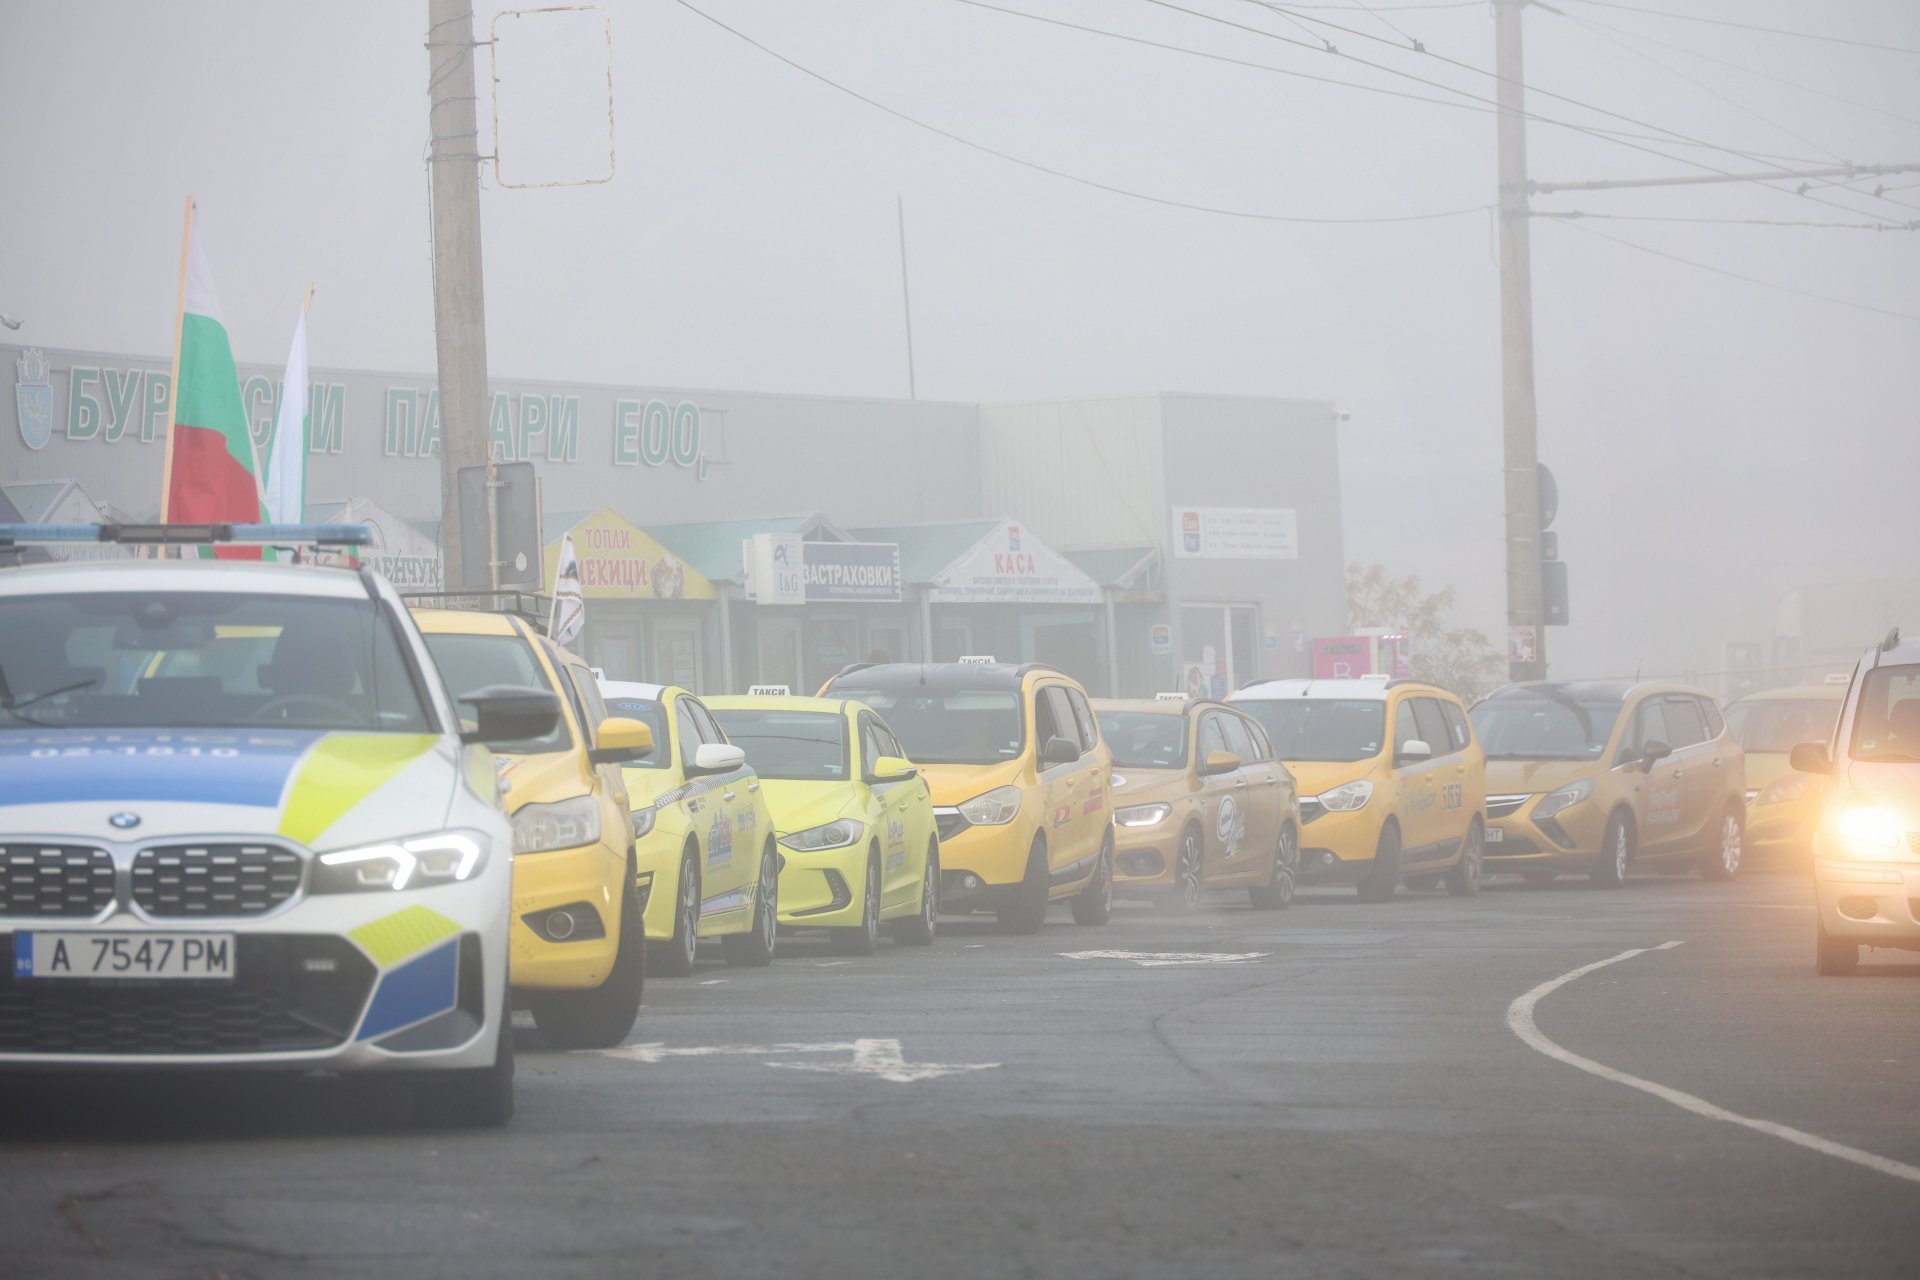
124	821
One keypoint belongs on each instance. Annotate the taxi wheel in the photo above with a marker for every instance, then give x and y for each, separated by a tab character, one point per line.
1384	876
600	1018
918	930
865	939
1463	877
1724	863
1616	852
1026	908
1094	904
673	958
480	1098
754	948
1277	893
1833	957
1189	875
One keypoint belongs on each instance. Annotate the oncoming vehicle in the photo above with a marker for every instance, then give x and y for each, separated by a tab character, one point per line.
1392	782
1606	775
1199	802
853	816
1783	804
245	826
579	955
1019	778
703	838
1866	845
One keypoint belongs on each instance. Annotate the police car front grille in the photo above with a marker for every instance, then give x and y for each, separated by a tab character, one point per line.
214	879
54	880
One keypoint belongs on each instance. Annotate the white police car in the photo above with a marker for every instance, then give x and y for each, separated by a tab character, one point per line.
242	825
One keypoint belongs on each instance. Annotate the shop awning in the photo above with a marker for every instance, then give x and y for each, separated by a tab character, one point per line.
1131	573
621	561
713	547
985	562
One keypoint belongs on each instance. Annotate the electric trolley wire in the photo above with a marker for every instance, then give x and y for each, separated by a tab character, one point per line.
1735	275
1036	166
1749	26
1583	215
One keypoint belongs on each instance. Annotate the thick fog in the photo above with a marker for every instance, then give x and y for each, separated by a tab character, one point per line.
1717	441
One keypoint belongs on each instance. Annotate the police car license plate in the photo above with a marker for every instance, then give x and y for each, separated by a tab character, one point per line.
65	954
1495	835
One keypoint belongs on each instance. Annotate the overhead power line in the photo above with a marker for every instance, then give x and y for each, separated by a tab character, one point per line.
1749	26
1036	166
1754	280
1581	215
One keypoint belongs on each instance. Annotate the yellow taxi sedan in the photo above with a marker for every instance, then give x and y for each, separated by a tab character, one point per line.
1783	806
853	816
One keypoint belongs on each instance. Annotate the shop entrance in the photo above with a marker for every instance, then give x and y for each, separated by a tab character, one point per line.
1217	651
676	654
777	641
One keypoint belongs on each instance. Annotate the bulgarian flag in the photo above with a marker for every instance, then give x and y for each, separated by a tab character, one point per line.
212	473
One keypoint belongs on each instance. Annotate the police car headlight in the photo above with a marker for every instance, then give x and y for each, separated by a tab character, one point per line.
643	820
420	863
994	808
1565	798
834	835
1354	795
564	824
1142	815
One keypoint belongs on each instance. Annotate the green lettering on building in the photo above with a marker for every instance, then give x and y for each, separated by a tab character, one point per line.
83	407
429	441
263	405
123	400
686	434
326	412
626	433
159	396
655	433
533	423
402	407
500	429
563	429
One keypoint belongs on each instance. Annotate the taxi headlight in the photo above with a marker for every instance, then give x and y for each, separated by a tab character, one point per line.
1562	798
564	824
1142	815
1868	830
1784	789
643	820
995	808
1346	799
422	862
832	835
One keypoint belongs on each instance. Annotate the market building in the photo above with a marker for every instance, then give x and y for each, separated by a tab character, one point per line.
1141	542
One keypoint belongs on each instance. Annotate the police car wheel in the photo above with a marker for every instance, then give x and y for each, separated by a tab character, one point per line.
674	957
918	929
1026	908
601	1017
481	1098
864	939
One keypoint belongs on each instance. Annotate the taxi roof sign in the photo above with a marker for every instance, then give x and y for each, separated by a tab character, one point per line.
978	659
1838	677
186	535
1173	696
768	691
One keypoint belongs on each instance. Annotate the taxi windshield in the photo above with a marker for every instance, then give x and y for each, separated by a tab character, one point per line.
1780	724
468	663
1886	724
949	726
803	746
165	660
1545	728
1331	729
1144	739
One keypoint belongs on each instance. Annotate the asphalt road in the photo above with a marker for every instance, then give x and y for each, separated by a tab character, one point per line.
1345	1098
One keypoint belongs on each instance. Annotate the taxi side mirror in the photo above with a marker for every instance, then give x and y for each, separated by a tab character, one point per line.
1219	762
1653	753
619	740
716	757
1411	750
509	713
1810	757
1059	750
893	769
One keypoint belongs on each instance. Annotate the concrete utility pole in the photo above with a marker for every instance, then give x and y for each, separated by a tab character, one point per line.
459	303
1519	417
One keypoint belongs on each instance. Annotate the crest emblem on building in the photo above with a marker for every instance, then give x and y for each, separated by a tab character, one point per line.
33	396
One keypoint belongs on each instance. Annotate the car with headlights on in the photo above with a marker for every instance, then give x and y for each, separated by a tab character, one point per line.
1020	782
1783	804
1866	844
1199	802
243	824
579	954
860	852
703	839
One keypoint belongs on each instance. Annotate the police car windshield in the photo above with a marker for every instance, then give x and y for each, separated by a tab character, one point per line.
654	716
804	746
163	660
1778	725
1144	740
1321	728
468	663
1886	724
948	726
1543	728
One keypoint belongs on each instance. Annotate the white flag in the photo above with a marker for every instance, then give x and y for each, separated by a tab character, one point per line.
286	482
569	616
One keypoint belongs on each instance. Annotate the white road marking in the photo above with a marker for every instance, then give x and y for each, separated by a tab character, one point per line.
716	982
1159	959
1520	1022
874	1057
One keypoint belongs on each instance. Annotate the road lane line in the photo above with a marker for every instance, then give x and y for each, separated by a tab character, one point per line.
1520	1022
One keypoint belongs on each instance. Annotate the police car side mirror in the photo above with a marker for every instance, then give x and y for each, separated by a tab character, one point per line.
510	713
1810	757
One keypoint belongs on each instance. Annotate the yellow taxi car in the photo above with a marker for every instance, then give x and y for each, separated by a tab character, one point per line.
852	814
703	839
1199	802
577	951
1020	781
1783	804
1392	781
1602	776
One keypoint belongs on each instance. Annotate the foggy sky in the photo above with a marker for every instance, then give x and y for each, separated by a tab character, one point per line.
1716	442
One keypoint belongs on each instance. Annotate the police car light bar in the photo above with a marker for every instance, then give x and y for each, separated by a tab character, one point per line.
170	535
